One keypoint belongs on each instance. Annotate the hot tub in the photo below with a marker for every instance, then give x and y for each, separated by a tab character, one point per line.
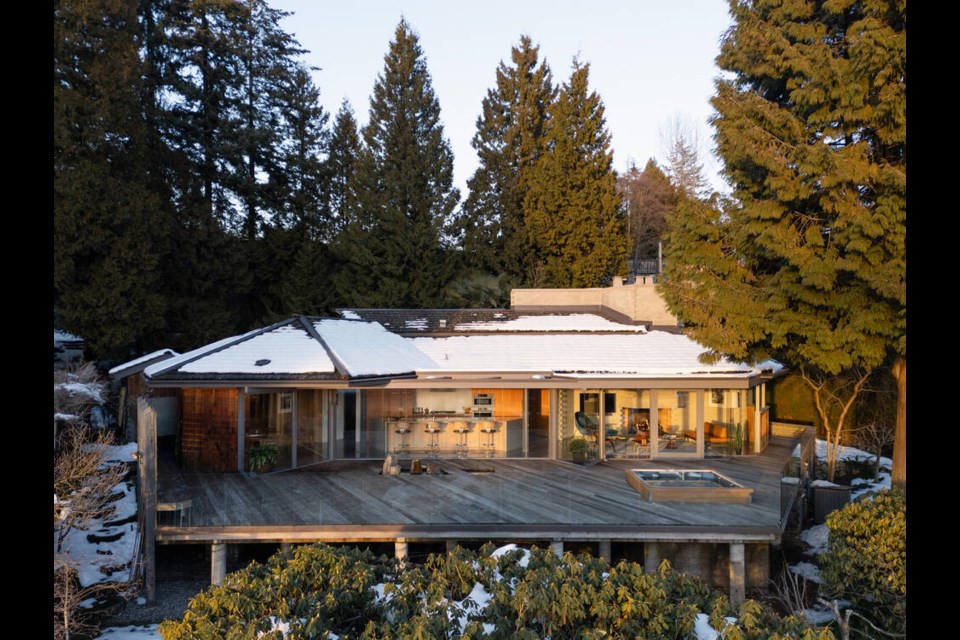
695	485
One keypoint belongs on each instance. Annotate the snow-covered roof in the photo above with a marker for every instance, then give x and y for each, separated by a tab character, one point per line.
558	322
136	362
319	347
653	354
336	348
367	349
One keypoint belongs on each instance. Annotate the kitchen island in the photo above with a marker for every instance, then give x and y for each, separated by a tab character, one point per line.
448	434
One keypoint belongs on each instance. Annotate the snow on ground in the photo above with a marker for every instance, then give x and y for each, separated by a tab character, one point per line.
851	453
93	390
806	570
704	631
107	558
818	616
146	632
816	537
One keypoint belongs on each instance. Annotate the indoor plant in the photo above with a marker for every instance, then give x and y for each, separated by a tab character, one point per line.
579	447
738	439
262	456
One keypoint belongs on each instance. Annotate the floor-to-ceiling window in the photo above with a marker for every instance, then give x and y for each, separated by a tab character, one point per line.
311	435
269	420
627	423
538	423
677	429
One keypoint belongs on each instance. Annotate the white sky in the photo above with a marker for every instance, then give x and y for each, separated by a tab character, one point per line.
651	60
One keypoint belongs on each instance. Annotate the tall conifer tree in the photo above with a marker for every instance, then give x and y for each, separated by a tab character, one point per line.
393	253
510	138
340	166
808	264
572	209
110	222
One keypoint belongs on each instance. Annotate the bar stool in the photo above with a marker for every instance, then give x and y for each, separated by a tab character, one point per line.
462	428
402	429
489	428
432	429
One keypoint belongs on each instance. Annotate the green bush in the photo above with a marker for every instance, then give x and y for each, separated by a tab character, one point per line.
319	590
866	561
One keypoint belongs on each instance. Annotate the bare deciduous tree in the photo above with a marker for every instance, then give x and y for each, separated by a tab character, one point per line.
84	488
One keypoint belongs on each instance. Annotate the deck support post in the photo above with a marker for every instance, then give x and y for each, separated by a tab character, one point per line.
651	557
737	572
285	546
605	552
400	549
557	547
218	562
451	545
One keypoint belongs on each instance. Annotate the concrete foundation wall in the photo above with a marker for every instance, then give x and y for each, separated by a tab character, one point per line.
711	562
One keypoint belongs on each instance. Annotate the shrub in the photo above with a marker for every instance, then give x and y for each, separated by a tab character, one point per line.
314	591
866	561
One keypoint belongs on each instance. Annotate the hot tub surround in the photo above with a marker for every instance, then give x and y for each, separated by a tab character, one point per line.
701	485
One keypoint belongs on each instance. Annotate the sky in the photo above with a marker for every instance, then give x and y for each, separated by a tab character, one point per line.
651	61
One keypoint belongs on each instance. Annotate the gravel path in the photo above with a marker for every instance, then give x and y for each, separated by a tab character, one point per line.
172	597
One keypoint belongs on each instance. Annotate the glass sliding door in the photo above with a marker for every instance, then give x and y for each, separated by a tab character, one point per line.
538	423
677	431
311	440
269	420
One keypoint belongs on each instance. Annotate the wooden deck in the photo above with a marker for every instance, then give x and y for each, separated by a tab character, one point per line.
521	499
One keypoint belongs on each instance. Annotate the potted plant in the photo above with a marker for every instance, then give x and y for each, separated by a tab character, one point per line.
262	456
579	448
738	439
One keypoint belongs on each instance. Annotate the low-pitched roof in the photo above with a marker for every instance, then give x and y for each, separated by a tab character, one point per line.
298	348
653	354
304	348
139	364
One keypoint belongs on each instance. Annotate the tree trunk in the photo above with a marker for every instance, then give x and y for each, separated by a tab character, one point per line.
899	475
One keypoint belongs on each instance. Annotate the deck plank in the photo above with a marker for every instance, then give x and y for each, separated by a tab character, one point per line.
534	492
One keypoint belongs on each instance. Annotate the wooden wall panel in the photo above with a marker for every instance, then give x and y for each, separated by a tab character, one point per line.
208	429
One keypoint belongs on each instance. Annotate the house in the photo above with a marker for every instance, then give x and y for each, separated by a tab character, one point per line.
128	376
488	401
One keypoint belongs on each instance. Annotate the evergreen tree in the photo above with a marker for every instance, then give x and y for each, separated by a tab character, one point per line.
110	225
339	168
392	254
510	138
572	210
808	264
292	252
647	198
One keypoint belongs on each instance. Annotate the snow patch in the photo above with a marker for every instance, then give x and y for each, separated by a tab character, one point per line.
807	570
105	559
144	632
92	390
816	537
703	630
818	616
350	314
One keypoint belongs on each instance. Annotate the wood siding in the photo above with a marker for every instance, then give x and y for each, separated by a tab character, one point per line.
208	430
